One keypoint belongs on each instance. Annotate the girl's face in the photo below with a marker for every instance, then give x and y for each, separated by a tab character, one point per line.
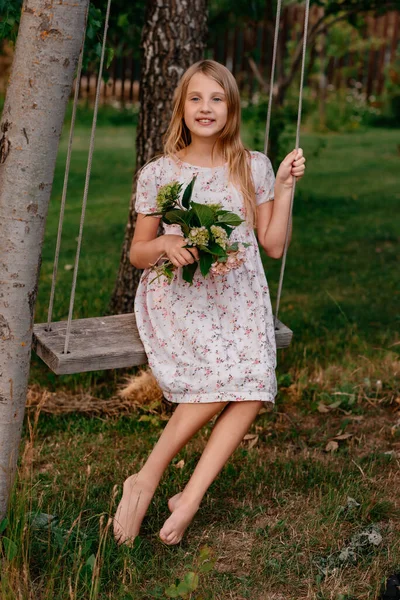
206	108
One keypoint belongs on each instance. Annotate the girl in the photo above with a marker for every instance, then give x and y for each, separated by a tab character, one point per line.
211	346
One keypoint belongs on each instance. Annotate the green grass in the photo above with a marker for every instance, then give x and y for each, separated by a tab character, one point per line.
275	515
271	519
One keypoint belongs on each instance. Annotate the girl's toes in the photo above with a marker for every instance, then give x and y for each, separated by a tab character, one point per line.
176	540
165	534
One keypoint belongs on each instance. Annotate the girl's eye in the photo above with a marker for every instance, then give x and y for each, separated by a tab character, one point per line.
216	98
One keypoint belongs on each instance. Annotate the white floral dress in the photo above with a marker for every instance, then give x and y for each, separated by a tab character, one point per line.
213	341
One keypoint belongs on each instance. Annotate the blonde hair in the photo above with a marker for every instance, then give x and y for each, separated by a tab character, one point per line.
237	156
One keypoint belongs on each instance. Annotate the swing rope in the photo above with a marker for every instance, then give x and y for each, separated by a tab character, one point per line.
271	84
277	22
87	180
66	177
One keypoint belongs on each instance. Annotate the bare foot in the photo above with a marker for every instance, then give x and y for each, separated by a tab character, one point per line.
174	527
136	497
173	502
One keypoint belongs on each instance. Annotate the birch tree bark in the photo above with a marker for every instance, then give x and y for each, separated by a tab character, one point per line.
46	55
173	38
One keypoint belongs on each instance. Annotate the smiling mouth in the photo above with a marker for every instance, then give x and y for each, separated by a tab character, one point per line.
205	121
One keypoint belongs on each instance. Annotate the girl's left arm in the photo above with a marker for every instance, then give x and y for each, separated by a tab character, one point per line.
273	217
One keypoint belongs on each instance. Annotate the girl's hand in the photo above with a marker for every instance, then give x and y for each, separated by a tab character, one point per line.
179	256
291	166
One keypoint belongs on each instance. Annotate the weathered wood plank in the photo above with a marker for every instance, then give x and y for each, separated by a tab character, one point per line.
96	343
283	335
99	343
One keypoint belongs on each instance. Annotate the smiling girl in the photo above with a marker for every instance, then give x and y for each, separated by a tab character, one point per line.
211	346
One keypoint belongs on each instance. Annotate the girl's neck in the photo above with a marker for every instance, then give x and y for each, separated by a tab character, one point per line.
199	153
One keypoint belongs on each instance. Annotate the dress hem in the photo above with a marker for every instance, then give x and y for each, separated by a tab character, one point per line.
200	398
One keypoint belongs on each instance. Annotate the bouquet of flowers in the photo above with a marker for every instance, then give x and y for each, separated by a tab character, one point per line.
204	226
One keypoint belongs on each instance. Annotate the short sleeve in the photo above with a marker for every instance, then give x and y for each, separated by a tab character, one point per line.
264	177
146	190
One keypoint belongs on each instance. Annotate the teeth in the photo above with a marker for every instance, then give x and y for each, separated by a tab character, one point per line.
205	120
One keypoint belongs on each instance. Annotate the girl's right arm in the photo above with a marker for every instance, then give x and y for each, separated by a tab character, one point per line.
147	248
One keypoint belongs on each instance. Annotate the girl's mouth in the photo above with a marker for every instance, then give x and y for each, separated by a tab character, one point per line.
205	122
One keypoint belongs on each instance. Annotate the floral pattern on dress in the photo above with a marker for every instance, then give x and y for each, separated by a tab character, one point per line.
213	341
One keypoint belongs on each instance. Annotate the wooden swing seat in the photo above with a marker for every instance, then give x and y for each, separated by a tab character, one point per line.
99	343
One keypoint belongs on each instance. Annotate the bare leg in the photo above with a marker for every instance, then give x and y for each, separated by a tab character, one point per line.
228	432
138	489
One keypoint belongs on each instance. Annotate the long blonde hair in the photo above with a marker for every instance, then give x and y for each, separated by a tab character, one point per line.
178	135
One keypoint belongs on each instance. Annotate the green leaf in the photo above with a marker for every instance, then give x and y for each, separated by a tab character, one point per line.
180	217
192	580
183	215
188	272
183	589
216	249
187	194
206	261
207	566
3	525
123	21
205	553
97	49
10	548
229	219
172	591
205	214
91	561
174	217
109	56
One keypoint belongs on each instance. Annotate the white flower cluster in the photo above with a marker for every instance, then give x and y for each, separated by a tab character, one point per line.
220	235
198	236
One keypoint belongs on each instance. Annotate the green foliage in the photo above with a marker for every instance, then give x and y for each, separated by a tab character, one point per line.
10	11
346	110
185	587
123	36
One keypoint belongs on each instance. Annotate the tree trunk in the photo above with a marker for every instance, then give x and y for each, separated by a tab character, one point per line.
47	51
173	38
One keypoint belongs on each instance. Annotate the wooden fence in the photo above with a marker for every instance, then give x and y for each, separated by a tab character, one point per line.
247	53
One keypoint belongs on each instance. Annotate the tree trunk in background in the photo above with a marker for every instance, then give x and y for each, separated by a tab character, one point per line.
173	38
47	51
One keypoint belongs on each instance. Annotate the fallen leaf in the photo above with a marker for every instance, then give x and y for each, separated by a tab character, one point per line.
253	443
335	404
180	464
331	446
343	436
322	408
252	438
